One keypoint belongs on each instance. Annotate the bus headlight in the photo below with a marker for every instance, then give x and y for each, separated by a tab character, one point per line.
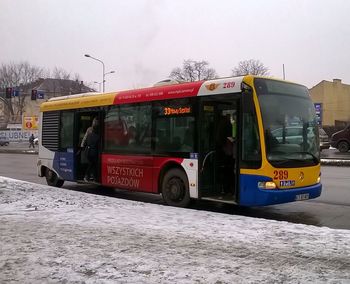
266	185
318	179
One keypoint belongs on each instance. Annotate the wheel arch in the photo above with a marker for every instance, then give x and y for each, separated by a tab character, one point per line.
43	168
343	140
168	166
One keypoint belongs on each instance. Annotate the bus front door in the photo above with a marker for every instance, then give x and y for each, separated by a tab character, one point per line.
84	120
218	148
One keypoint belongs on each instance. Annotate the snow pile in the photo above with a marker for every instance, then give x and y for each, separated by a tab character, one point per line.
56	235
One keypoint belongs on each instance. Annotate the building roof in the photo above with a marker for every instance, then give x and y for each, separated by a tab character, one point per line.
55	87
335	81
61	86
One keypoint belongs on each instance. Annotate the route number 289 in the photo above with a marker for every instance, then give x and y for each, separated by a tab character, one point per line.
282	174
228	85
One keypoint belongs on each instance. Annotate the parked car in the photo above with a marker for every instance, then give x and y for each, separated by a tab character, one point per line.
294	135
4	141
324	139
341	140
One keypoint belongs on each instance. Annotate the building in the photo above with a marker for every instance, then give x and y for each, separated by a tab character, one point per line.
22	105
332	101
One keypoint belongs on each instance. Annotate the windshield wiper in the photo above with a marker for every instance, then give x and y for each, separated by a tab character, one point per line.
314	158
286	160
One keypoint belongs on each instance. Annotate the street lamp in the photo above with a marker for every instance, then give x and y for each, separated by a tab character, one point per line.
110	72
103	70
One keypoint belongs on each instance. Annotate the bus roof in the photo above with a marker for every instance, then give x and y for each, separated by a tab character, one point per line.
192	89
73	96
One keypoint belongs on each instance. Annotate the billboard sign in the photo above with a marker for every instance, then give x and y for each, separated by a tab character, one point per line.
30	123
318	109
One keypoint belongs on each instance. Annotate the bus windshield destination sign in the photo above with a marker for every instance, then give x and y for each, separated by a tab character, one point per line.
176	111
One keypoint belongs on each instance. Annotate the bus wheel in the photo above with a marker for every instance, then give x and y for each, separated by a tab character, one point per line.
175	190
52	179
343	147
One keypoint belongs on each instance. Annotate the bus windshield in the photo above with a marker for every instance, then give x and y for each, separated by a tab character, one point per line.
289	121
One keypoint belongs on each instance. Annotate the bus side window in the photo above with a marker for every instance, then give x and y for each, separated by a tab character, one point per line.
175	134
127	129
251	144
67	128
187	144
251	153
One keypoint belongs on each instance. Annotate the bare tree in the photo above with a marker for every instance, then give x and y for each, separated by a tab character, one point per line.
16	75
193	71
60	73
21	77
251	66
77	77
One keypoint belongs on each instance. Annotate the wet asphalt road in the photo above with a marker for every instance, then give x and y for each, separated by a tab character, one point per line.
332	209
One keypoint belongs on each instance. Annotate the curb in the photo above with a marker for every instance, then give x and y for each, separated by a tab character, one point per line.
335	162
15	151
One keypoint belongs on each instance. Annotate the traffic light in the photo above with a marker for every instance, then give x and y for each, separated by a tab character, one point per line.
9	91
34	94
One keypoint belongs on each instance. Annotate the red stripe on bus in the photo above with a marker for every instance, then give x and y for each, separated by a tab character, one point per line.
158	93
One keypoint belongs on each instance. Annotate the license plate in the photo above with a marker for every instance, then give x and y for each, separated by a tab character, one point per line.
287	183
303	196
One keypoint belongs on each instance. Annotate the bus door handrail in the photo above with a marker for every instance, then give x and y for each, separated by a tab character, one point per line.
205	158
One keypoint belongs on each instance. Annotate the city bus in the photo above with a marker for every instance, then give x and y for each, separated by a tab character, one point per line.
222	140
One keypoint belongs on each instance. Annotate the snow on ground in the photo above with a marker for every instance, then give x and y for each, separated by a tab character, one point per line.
57	235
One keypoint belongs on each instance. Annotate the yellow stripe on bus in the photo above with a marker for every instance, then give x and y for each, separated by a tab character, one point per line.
303	176
82	102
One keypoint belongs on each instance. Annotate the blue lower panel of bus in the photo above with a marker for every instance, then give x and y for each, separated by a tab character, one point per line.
63	163
251	195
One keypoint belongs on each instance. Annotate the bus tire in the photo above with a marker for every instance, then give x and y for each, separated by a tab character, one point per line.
343	146
52	179
175	189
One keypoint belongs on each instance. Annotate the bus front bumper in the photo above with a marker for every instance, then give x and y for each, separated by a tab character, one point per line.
252	195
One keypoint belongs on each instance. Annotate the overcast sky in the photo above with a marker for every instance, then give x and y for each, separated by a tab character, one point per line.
142	40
